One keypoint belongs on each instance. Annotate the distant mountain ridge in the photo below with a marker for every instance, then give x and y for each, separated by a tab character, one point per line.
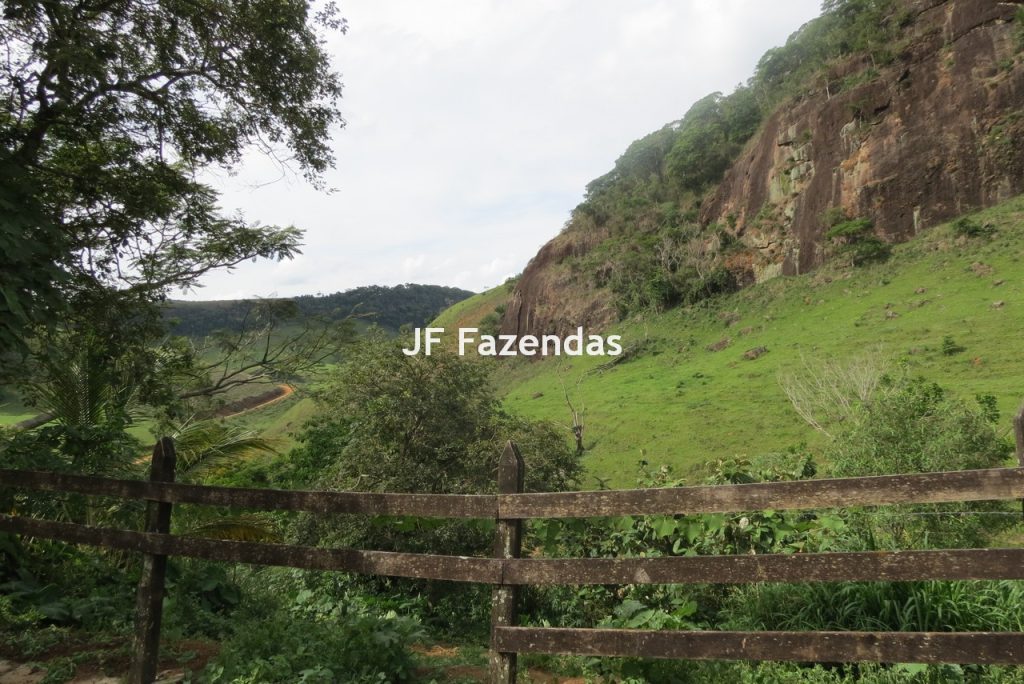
388	307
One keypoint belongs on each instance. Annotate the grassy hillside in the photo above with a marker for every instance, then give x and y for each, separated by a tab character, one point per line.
470	313
677	402
12	409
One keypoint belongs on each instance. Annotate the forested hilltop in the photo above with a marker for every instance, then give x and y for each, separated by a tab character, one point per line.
389	307
875	121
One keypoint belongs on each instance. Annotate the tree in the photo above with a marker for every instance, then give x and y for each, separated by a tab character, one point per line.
109	110
431	424
711	136
273	342
917	427
828	392
427	424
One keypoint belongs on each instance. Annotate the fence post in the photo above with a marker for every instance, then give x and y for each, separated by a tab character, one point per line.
507	544
1018	432
150	596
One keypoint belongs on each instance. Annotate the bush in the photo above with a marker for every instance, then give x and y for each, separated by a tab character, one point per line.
851	229
969	228
917	428
950	346
856	240
354	649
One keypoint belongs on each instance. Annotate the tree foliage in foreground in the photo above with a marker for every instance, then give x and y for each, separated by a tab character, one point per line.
432	424
395	423
107	112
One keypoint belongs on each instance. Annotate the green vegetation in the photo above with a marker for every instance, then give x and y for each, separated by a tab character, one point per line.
887	359
388	307
111	114
856	239
653	253
394	423
913	426
471	312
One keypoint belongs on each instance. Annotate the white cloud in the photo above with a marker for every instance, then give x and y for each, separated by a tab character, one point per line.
473	127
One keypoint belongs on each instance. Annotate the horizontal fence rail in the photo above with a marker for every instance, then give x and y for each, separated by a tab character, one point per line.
506	571
862	566
370	503
987	648
386	563
942	487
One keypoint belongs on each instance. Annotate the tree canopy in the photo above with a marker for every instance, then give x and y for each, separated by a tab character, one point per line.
111	108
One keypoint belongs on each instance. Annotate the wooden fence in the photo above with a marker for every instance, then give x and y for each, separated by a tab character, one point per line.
507	571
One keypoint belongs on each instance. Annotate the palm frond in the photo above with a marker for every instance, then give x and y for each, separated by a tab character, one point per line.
207	445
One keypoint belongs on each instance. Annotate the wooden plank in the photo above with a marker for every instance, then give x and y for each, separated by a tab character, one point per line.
1018	433
421	566
371	503
149	599
797	567
964	485
508	537
1003	648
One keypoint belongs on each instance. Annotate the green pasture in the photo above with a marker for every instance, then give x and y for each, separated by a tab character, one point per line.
677	403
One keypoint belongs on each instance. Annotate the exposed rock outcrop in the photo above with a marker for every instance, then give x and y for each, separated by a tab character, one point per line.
936	134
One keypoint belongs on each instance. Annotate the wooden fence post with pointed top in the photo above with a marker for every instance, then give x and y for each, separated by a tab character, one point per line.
150	596
1018	433
507	544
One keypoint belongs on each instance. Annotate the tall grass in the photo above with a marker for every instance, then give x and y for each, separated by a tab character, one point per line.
932	606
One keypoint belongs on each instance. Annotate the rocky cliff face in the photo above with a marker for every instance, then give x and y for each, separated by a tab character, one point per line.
938	133
935	134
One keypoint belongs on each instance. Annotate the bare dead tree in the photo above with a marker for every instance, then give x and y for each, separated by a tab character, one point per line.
577	424
826	392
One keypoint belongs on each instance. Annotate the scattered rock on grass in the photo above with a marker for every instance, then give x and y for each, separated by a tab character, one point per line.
980	269
755	353
719	345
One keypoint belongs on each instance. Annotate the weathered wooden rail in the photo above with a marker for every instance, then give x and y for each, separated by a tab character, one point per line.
507	571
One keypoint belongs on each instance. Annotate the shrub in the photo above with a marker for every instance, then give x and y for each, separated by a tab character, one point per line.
969	228
919	429
950	346
351	649
856	240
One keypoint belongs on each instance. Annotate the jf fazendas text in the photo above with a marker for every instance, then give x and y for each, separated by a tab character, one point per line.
470	340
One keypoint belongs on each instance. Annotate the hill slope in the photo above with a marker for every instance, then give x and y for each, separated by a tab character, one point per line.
676	402
897	114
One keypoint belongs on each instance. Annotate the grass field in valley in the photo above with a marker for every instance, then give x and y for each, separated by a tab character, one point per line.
680	404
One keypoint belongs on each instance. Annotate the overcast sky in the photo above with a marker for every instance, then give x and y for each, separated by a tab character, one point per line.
474	126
